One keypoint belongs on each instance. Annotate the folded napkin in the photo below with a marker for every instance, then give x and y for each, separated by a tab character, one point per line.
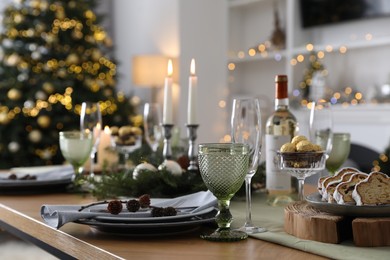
58	215
53	172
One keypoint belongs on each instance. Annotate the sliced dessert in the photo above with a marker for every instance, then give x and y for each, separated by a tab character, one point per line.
374	190
329	190
336	177
343	191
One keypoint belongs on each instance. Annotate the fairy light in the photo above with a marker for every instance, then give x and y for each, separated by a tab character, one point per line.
231	66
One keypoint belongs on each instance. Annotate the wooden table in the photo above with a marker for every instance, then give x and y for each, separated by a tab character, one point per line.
20	216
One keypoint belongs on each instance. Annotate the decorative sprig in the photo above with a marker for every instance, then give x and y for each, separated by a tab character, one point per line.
133	205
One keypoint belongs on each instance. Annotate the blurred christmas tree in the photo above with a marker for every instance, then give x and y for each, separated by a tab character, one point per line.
54	55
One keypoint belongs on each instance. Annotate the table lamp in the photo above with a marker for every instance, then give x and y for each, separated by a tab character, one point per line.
150	71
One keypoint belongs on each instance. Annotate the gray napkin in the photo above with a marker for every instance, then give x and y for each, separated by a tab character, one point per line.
54	172
58	215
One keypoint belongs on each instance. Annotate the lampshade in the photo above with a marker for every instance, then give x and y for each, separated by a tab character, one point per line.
151	70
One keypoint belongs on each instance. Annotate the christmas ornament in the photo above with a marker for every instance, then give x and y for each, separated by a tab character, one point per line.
48	87
143	167
40	95
173	167
13	147
14	94
43	121
35	136
4	119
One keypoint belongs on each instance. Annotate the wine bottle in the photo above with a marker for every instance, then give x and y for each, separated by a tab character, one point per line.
281	127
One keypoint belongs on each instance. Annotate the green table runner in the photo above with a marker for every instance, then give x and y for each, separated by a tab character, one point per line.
272	218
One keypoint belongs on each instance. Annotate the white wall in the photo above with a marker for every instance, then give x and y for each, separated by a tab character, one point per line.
143	27
203	36
184	29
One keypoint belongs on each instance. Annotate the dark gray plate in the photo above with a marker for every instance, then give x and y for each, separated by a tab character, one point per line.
348	210
151	229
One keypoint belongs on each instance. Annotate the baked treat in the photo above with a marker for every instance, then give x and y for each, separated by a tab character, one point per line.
343	191
288	148
329	190
297	139
374	190
125	135
319	184
336	177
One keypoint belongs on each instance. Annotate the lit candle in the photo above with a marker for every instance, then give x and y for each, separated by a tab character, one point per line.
167	110
192	96
104	153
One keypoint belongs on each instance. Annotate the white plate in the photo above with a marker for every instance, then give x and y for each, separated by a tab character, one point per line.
33	186
145	216
348	210
151	229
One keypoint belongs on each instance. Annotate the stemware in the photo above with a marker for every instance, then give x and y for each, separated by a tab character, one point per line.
76	147
246	128
301	165
340	151
152	125
91	120
223	167
321	125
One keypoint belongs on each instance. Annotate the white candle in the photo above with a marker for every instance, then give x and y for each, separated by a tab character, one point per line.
104	153
167	109
192	96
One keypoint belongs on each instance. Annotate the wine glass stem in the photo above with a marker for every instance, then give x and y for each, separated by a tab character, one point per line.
224	217
248	193
91	170
301	183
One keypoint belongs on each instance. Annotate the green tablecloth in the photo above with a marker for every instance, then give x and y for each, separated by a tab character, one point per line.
273	219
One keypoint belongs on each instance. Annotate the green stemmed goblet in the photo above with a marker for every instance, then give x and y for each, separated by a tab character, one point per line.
76	148
223	167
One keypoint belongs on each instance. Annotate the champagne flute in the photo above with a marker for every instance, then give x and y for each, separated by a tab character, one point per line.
91	120
76	147
340	151
223	167
321	125
246	128
152	125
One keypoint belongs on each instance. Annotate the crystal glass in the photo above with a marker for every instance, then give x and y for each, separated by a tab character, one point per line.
301	165
125	150
246	128
321	125
152	125
223	168
340	151
76	147
91	120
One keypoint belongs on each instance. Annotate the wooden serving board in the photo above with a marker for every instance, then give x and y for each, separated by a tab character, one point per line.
304	221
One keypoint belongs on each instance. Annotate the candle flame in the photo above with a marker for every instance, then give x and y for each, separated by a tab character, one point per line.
107	130
192	67
170	68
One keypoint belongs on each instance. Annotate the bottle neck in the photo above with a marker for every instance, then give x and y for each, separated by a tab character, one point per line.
281	103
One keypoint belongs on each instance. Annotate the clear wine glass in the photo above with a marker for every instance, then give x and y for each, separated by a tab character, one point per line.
246	129
223	167
301	165
91	120
340	151
152	125
76	147
321	125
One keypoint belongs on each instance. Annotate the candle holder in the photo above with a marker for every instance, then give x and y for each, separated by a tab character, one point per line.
167	150
191	132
